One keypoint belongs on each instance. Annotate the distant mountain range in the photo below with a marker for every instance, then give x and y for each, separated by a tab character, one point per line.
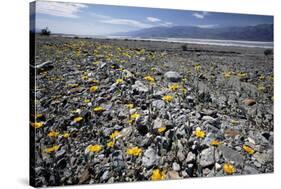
262	32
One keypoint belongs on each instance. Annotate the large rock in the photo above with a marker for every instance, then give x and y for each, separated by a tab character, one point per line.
150	158
231	155
158	104
207	157
140	87
172	76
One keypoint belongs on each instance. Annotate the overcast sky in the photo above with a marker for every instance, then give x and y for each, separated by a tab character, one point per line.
91	19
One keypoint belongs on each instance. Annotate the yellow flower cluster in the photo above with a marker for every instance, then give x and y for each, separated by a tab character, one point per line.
77	119
51	149
149	78
174	87
229	169
134	151
119	81
248	149
167	98
94	148
37	125
199	133
157	175
98	109
94	88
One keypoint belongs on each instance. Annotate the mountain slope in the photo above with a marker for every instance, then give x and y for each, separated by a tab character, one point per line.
263	32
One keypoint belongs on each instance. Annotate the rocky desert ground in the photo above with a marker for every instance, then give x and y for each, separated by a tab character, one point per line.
111	110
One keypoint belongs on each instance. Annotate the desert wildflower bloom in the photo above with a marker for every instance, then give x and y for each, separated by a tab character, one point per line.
215	143
157	175
167	98
94	148
98	109
119	81
134	151
77	119
242	74
51	149
227	75
174	87
149	78
161	129
199	133
130	106
197	67
94	88
135	116
229	169
53	134
248	149
37	124
66	135
114	134
111	143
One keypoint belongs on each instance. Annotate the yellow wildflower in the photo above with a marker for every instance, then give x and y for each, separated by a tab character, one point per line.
110	144
227	75
149	78
130	106
228	168
53	134
51	149
135	116
199	133
87	100
94	88
157	175
37	124
38	115
85	77
261	88
167	98
66	135
161	129
134	151
73	85
242	74
215	142
197	67
248	149
98	109
77	119
114	134
94	148
174	87
119	81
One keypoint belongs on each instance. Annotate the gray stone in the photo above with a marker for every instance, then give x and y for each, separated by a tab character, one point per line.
172	76
207	157
60	153
190	157
140	87
231	155
105	176
176	166
250	170
263	158
159	104
150	157
158	122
